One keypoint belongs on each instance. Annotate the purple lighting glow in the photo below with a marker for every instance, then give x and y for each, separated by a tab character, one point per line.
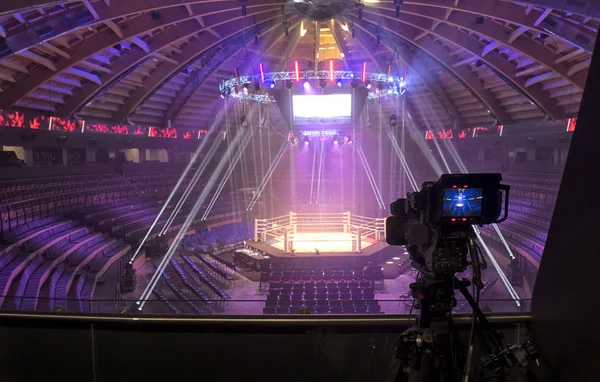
335	142
306	85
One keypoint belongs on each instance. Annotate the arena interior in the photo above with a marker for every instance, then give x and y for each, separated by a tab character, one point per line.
240	157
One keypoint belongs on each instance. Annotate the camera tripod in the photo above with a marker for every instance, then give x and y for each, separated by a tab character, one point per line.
431	352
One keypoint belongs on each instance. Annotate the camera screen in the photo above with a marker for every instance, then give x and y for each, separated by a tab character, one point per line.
462	202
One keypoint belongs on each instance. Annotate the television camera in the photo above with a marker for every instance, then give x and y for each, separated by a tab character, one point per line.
437	226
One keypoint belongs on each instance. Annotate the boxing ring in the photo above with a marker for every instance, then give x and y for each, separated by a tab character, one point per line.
307	232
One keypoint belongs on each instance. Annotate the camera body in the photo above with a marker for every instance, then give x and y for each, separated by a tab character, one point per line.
438	218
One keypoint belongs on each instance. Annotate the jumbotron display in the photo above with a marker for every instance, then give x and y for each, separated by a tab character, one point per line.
321	108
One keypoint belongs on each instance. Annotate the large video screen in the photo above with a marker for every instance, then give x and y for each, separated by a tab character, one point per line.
462	202
322	108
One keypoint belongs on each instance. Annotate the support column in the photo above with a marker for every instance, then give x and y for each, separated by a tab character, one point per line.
28	155
90	154
65	157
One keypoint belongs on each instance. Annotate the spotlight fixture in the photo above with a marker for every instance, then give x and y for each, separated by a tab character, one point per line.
243	122
339	83
289	84
271	84
306	141
293	140
322	83
245	87
368	84
256	86
349	139
306	85
336	140
379	85
354	83
393	120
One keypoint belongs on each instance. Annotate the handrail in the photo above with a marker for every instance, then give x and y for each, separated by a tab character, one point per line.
331	320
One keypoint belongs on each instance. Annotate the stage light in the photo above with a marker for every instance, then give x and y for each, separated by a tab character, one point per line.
331	70
289	84
297	70
390	79
379	85
364	72
306	85
393	120
339	83
271	84
335	142
368	84
349	139
262	72
306	141
389	262
256	86
243	121
395	258
354	83
322	83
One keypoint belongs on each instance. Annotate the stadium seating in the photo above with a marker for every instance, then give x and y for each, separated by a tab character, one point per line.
321	291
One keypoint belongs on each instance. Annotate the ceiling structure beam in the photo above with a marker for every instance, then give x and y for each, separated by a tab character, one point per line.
513	13
199	46
292	43
494	32
585	8
415	64
265	45
39	59
186	26
441	55
338	36
493	59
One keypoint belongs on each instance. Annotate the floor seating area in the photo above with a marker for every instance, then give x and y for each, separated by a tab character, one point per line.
320	291
191	287
226	235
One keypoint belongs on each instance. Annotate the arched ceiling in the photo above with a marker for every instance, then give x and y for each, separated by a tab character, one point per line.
149	61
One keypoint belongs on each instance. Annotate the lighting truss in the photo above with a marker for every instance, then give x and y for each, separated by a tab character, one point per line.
398	83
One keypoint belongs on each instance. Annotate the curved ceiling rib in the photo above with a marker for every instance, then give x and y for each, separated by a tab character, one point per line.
196	48
418	66
123	63
473	61
589	8
493	59
182	99
105	39
513	13
428	45
494	32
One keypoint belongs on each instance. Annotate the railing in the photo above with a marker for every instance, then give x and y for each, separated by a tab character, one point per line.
16	214
162	305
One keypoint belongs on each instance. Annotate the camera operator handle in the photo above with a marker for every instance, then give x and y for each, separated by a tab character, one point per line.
506	189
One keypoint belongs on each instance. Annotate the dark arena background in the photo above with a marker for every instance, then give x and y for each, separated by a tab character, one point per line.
236	159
